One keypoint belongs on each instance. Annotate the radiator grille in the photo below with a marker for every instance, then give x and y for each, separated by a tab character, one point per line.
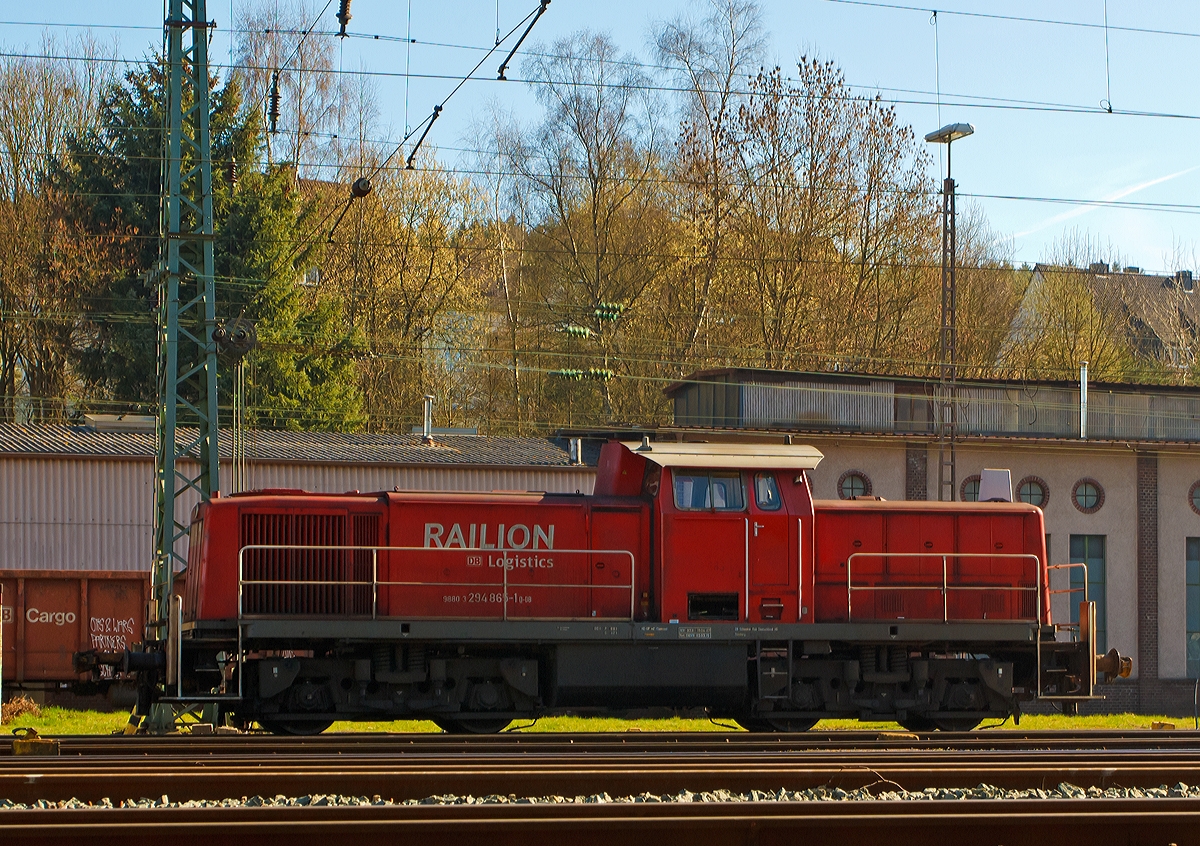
1028	605
306	565
993	603
890	602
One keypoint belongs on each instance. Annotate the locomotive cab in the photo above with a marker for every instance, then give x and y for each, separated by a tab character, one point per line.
733	527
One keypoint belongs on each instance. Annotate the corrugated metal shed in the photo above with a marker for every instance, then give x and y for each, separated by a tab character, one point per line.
1018	411
868	406
744	398
77	499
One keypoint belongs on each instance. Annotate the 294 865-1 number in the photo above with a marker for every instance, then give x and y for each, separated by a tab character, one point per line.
485	597
482	596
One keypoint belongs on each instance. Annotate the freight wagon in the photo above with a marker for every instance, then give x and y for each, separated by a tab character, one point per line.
696	576
49	615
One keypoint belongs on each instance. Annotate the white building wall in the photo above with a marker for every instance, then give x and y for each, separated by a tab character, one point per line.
1177	472
881	461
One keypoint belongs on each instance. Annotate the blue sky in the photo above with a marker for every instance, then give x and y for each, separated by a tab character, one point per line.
985	66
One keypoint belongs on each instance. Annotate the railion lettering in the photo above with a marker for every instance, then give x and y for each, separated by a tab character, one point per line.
489	536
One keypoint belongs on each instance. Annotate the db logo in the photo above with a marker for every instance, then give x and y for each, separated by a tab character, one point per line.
474	560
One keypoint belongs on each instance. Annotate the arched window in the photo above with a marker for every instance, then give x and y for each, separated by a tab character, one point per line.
1088	496
854	483
1194	497
1033	490
969	490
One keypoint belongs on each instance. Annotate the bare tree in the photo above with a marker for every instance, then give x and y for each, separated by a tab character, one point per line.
279	36
406	273
712	57
592	173
44	263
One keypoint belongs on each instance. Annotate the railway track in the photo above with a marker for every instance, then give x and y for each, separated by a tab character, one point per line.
257	743
511	767
1063	823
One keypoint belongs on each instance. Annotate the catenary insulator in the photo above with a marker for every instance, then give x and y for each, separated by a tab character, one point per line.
273	107
343	17
361	187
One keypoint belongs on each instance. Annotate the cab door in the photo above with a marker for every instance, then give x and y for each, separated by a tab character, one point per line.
705	541
772	577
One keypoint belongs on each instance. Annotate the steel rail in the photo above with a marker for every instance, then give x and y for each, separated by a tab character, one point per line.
405	743
1063	822
417	776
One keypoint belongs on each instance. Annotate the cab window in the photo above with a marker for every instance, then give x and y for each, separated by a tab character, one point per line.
766	492
709	491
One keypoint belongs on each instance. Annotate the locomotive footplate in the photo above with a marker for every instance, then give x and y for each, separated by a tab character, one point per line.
284	628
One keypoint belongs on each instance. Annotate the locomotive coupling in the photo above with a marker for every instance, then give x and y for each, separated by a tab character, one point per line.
1114	665
125	661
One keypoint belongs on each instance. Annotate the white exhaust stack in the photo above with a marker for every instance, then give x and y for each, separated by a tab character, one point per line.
995	486
1083	382
427	428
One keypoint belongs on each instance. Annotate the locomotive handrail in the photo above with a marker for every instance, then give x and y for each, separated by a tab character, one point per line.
945	587
1074	564
375	583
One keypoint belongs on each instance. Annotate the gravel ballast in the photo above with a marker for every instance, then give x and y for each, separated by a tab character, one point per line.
819	794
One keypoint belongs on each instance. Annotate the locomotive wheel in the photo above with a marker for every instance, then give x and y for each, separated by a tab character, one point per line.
791	725
493	726
295	728
956	724
764	725
751	724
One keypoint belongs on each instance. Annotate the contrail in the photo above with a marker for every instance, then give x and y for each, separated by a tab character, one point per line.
1116	195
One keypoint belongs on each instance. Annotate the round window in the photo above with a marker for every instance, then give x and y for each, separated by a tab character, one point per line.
1194	497
969	491
1088	496
1033	491
853	483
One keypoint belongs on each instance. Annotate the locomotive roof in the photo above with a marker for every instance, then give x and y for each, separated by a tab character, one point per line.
733	456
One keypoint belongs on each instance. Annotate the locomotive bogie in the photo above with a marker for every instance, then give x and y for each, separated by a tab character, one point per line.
389	682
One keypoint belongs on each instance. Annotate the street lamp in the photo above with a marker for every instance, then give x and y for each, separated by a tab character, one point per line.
947	409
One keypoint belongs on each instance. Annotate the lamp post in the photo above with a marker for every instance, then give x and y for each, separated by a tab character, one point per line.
947	407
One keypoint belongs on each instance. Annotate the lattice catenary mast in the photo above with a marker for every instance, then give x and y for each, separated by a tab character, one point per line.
186	431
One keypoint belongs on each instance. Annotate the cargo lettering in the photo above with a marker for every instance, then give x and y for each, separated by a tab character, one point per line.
517	536
6	614
58	618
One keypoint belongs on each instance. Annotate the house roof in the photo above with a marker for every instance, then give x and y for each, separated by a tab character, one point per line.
1161	312
309	447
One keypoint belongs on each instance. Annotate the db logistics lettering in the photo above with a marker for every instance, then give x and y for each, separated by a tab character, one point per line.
58	618
520	562
516	536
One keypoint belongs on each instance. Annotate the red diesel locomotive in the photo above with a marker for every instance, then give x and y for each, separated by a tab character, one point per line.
696	576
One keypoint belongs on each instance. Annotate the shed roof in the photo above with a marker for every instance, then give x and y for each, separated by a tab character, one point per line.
307	447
